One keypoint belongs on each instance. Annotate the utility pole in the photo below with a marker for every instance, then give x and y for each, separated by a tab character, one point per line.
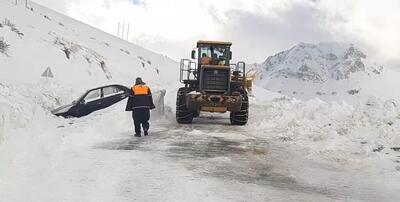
123	30
127	33
26	3
119	25
16	2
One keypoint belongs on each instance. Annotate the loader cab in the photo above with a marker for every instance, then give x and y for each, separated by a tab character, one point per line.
219	53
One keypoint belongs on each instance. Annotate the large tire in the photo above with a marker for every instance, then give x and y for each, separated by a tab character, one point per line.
196	113
183	114
241	117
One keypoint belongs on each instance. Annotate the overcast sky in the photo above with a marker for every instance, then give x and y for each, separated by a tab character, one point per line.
257	28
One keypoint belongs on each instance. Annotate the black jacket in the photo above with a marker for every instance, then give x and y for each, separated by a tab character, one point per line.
142	98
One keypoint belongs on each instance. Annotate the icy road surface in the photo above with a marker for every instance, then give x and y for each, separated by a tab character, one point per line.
98	159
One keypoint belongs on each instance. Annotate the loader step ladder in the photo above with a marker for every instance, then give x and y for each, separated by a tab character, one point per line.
188	71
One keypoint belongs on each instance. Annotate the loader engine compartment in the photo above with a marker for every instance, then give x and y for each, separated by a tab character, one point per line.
215	80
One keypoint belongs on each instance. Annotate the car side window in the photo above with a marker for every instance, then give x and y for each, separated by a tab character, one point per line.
110	91
93	95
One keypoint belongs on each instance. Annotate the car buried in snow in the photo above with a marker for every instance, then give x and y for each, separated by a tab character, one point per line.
93	100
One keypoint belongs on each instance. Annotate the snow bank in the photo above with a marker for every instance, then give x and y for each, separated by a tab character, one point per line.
21	103
331	131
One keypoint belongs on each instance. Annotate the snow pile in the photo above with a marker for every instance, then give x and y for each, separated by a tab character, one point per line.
318	63
20	105
332	131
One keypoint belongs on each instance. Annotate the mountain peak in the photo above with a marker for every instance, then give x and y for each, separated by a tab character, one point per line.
318	62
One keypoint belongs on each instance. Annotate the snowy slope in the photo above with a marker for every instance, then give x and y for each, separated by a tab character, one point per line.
328	71
79	56
76	53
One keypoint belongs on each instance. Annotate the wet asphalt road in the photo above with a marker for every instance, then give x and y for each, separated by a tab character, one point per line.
211	148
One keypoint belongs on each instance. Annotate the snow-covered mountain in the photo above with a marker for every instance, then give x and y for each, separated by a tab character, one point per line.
318	63
328	71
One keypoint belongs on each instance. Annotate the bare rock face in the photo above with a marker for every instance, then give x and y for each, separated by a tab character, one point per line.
318	63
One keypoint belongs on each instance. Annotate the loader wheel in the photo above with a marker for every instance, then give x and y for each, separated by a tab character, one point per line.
183	114
196	113
240	117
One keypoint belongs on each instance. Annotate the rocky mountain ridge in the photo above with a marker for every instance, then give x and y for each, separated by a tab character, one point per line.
318	62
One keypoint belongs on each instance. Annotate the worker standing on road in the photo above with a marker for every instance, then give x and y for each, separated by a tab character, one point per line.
140	103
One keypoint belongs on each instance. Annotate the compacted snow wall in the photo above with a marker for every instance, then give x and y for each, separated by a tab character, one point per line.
332	131
20	104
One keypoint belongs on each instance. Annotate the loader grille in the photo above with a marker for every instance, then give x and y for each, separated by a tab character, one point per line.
215	80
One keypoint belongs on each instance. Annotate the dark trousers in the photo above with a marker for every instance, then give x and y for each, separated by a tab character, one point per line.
141	117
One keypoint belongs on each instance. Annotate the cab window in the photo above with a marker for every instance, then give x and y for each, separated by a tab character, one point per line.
220	52
205	50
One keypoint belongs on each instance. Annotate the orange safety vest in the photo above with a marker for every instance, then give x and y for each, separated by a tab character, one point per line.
140	89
